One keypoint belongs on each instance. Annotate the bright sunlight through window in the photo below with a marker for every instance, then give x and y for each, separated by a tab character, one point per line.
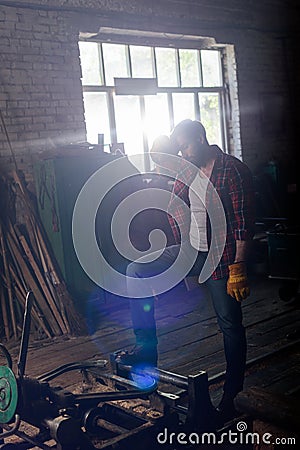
189	85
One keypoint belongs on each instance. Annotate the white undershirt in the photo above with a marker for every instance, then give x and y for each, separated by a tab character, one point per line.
198	228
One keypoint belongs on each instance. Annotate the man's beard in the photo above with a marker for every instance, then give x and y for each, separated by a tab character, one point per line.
201	156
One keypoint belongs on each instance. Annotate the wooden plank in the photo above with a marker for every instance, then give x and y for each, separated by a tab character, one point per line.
267	321
273	408
44	307
4	312
208	347
104	344
215	362
280	373
8	283
40	278
176	313
73	321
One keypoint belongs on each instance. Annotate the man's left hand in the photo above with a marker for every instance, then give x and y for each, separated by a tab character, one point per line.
237	284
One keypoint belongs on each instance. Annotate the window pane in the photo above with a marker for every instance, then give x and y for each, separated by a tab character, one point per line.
96	116
167	74
156	116
90	63
210	117
128	123
141	61
115	62
211	68
183	107
189	68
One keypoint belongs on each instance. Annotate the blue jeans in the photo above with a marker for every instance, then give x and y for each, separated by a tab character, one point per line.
227	309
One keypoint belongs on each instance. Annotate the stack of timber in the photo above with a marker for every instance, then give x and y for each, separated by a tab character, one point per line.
27	264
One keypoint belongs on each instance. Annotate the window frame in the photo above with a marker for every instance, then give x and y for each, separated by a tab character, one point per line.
109	89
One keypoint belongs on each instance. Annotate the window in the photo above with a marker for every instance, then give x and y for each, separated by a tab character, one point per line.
96	115
189	85
115	62
141	61
189	68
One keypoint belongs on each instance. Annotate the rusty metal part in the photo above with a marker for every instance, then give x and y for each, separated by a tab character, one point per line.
200	413
66	432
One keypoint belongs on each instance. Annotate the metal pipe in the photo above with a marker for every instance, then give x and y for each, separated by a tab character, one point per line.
161	375
48	376
95	398
10	430
25	335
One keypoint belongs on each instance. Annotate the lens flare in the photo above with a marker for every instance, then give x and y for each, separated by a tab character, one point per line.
147	308
144	377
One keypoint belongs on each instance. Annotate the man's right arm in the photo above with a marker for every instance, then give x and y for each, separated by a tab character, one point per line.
164	155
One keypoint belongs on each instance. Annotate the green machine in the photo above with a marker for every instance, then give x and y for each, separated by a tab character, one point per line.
58	182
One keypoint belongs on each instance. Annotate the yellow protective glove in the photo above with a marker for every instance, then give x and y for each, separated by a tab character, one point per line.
237	284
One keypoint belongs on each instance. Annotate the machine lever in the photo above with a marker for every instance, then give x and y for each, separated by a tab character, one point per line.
25	335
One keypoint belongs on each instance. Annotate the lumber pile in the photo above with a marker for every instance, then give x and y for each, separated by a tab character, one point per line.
27	264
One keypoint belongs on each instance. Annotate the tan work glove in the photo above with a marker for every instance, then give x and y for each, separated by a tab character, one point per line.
237	284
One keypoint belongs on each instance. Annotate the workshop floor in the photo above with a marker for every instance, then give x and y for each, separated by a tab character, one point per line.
189	338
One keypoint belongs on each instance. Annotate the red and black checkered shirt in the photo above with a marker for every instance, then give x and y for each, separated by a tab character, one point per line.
233	182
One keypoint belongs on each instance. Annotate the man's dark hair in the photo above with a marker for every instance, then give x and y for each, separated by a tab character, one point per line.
193	129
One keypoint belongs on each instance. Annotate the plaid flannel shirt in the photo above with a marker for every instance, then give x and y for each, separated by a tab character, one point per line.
233	182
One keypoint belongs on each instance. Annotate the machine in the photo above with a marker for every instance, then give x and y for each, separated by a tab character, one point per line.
114	408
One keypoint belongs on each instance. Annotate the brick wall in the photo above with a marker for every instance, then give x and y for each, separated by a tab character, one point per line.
40	91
